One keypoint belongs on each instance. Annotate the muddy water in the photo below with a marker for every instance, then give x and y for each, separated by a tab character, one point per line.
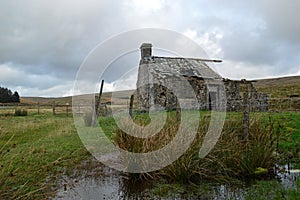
95	181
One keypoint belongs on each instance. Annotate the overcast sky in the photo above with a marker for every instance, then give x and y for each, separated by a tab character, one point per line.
43	43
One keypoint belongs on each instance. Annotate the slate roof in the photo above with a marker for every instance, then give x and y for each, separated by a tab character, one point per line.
161	67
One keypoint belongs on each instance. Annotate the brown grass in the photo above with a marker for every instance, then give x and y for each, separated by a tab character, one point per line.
232	157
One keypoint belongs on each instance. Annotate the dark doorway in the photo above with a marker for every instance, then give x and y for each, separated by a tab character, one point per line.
212	105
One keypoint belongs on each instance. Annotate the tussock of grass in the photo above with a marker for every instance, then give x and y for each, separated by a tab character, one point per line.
232	157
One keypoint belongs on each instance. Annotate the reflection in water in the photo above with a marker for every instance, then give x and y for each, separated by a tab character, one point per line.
92	188
289	177
100	182
101	187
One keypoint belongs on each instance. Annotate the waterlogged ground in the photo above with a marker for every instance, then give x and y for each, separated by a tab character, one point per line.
35	150
101	182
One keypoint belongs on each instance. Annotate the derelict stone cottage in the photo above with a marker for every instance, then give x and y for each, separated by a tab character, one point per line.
158	74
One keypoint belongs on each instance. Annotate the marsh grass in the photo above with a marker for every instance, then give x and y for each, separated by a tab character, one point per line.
232	157
155	142
34	152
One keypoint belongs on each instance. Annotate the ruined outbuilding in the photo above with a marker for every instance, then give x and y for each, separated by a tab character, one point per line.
158	74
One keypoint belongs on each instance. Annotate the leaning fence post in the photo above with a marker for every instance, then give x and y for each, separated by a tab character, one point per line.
131	105
97	105
246	115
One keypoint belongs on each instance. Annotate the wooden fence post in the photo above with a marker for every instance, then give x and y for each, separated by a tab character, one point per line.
67	105
246	115
38	107
178	111
131	105
53	108
97	104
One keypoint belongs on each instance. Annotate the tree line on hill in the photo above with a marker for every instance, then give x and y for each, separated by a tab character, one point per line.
7	96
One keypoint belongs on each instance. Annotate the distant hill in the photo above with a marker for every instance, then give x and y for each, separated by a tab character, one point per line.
275	87
279	87
106	96
45	100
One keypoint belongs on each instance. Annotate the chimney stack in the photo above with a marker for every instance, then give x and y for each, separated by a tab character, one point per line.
146	51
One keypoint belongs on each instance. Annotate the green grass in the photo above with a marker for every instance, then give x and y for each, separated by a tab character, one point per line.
271	189
289	145
34	151
257	190
287	125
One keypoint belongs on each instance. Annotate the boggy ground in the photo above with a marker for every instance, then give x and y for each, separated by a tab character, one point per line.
37	152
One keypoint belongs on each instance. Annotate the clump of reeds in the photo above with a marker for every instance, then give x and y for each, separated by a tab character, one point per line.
232	156
140	145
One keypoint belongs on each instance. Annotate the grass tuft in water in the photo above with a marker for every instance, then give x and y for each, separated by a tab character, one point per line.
232	156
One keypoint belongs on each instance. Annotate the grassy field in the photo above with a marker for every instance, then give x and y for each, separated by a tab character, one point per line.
34	152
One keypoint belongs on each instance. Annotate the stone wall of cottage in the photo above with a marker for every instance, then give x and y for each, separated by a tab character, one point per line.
158	94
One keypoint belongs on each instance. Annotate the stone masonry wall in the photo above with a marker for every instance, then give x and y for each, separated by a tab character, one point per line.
158	94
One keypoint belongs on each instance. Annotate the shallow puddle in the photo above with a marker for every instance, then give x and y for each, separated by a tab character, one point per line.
100	182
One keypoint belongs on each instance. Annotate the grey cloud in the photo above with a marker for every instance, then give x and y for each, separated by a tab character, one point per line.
261	33
57	35
52	38
281	18
15	77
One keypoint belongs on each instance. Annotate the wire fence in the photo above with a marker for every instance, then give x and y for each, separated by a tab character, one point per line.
274	105
282	111
59	109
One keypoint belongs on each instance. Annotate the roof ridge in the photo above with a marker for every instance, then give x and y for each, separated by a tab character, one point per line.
198	59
